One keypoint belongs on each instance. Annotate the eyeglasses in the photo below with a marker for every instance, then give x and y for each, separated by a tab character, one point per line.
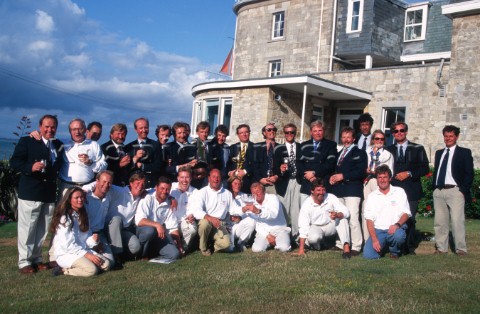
271	129
400	130
289	132
379	139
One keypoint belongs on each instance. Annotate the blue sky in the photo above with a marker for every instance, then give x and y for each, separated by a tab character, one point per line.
108	60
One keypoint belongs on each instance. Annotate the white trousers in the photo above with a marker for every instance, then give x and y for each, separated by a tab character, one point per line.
189	231
317	233
33	222
242	231
353	205
282	242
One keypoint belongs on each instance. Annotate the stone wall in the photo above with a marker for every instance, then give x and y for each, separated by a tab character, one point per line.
463	90
298	51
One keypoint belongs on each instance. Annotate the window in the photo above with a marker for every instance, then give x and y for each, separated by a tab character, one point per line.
390	116
355	16
347	117
275	68
278	25
317	114
213	110
416	23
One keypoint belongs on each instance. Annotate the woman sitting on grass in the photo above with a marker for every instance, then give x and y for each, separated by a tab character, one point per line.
73	242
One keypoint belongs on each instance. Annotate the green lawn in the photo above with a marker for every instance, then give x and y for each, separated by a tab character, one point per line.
271	282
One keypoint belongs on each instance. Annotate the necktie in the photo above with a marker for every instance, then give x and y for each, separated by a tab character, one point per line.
49	149
291	162
443	170
270	156
340	160
242	156
364	146
142	143
315	145
120	151
401	156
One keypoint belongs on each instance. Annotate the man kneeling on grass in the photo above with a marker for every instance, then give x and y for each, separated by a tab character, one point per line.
210	206
271	226
151	216
386	213
323	215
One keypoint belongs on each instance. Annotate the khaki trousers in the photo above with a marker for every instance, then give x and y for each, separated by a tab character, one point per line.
83	267
206	231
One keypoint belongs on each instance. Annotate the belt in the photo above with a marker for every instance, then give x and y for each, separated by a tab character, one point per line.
446	187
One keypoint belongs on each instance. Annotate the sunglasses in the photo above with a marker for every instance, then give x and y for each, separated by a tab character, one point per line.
400	130
290	132
271	129
379	139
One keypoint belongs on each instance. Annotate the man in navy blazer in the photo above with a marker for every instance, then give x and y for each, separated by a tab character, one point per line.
117	159
317	158
39	163
452	181
145	153
285	167
264	156
347	184
241	164
410	165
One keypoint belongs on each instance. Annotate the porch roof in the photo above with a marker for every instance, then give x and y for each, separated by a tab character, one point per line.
313	85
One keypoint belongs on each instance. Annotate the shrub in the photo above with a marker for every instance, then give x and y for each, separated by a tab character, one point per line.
8	190
425	205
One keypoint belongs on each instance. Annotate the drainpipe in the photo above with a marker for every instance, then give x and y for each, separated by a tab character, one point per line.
439	73
303	111
334	25
319	39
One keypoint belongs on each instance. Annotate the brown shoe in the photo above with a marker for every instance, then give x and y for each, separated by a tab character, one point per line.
437	252
52	264
42	266
27	270
461	253
393	256
206	253
354	253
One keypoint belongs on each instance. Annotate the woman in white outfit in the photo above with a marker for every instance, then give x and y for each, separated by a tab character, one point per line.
73	242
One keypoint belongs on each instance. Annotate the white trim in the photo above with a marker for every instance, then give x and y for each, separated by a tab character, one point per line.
426	56
280	81
350	16
274	14
462	8
424	8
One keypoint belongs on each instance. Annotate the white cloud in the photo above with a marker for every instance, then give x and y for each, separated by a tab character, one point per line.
40	45
78	61
44	22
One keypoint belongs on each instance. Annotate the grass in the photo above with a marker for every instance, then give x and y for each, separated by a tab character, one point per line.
257	283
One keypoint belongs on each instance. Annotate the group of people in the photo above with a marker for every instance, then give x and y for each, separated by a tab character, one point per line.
168	197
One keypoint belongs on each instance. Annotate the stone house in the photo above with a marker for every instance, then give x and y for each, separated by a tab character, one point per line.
296	61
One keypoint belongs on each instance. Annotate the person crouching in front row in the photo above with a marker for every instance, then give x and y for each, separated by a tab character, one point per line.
75	250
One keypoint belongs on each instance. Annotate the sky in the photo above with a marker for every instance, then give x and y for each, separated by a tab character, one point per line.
108	60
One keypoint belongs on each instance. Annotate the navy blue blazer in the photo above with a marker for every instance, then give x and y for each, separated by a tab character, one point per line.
175	155
354	168
462	170
416	161
121	174
281	152
152	162
36	186
261	160
248	165
322	161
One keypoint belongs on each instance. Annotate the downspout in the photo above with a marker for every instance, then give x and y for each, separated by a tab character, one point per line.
303	111
441	87
334	25
319	39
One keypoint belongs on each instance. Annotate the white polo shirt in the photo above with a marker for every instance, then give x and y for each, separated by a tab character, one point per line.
386	209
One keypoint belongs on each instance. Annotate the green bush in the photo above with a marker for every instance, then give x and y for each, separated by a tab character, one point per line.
8	191
426	208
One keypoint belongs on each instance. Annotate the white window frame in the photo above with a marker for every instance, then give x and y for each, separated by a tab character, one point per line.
350	16
274	68
318	110
386	128
278	26
423	24
199	112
